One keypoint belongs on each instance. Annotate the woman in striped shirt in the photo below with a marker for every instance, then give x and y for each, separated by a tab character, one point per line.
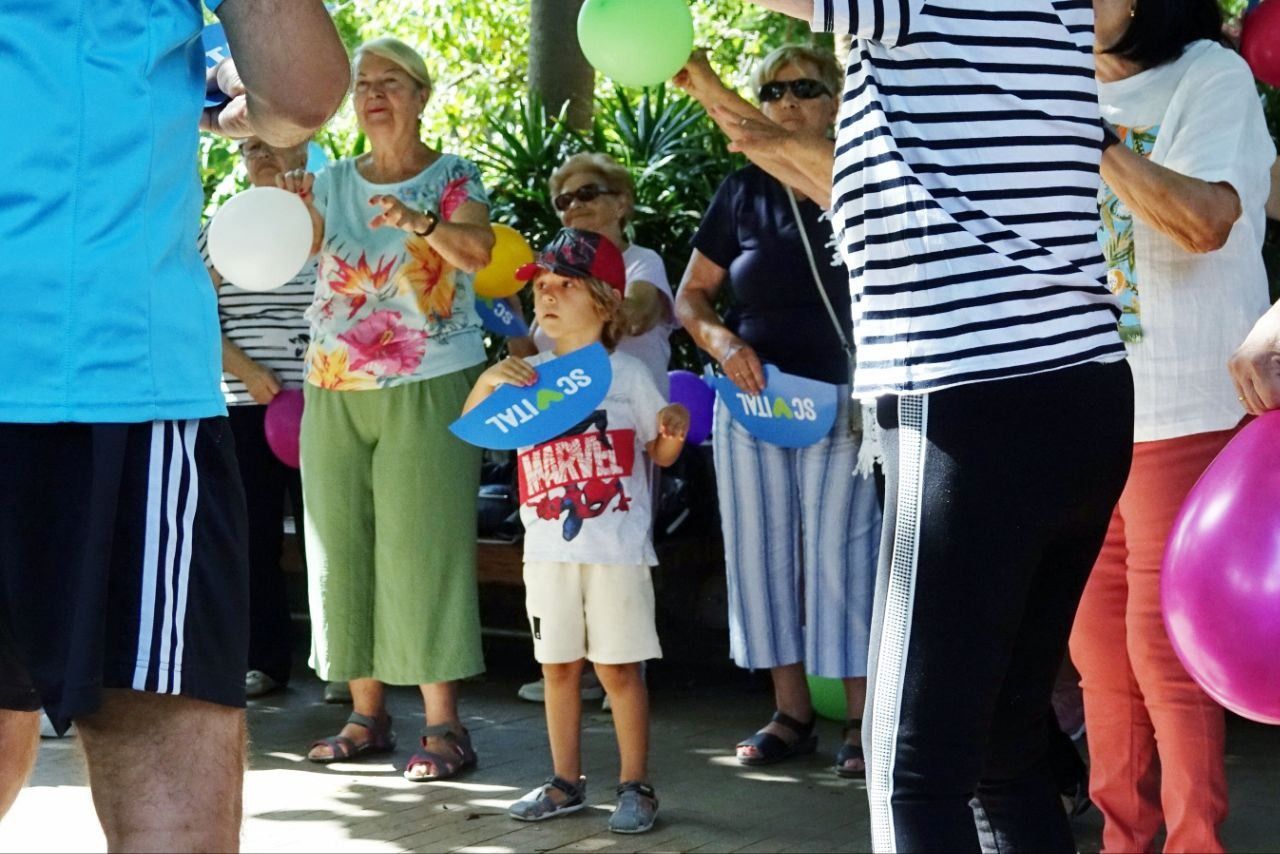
264	337
963	192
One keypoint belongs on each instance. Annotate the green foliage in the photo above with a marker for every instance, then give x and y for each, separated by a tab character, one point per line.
478	55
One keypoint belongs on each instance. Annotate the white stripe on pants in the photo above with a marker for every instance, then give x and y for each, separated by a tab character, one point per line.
895	632
167	553
802	540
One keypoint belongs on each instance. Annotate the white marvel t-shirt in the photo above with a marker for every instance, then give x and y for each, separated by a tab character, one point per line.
585	496
1185	313
653	348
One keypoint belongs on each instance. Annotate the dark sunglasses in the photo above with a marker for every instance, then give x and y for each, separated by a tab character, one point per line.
585	193
806	89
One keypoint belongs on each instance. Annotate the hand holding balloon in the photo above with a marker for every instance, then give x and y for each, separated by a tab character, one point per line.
262	384
697	77
299	182
1255	367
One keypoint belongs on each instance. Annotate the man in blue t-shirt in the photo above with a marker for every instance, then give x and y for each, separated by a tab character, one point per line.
122	566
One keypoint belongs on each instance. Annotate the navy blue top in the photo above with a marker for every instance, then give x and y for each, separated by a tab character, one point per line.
749	230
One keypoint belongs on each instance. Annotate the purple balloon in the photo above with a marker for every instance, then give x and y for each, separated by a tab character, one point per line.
1220	581
283	426
689	389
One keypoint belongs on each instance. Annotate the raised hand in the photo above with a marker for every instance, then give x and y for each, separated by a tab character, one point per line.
396	214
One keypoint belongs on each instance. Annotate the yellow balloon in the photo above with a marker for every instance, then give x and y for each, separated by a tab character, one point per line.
510	252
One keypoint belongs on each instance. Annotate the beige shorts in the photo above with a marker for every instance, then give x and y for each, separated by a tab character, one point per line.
604	614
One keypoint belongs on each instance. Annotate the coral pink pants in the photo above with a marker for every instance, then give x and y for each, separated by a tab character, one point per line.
1155	739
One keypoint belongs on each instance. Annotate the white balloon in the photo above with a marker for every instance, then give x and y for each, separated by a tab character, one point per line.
260	239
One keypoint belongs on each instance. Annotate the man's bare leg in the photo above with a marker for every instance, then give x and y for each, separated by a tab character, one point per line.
19	743
167	773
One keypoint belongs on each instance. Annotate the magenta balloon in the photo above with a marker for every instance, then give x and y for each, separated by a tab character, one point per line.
1260	42
698	397
1220	582
283	426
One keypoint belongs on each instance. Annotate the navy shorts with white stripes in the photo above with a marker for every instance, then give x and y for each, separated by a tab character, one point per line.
122	564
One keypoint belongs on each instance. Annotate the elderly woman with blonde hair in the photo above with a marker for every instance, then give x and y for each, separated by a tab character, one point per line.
396	346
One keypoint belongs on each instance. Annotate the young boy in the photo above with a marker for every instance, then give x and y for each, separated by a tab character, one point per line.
587	550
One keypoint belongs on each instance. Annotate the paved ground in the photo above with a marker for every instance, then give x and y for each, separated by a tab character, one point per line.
709	803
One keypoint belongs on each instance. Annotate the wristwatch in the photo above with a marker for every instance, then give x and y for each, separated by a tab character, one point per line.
432	222
1109	135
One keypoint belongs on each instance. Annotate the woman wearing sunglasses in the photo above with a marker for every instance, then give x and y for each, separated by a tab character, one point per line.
801	530
594	192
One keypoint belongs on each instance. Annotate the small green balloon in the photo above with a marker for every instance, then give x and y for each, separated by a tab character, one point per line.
636	42
828	698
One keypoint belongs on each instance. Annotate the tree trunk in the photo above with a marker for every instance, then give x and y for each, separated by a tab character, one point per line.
558	72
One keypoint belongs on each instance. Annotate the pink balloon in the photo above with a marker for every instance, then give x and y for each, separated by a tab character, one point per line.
283	426
1260	42
1220	582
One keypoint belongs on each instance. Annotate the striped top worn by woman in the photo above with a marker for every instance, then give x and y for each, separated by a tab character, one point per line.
269	327
965	190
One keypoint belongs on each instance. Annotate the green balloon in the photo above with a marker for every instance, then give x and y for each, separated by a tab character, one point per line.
636	42
828	698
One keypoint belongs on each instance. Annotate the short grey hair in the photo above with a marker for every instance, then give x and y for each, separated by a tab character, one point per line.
823	61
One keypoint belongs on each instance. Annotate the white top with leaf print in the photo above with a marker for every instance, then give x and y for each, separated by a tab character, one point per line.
1194	309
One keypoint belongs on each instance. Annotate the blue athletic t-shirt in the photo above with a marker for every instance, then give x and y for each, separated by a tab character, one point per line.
107	313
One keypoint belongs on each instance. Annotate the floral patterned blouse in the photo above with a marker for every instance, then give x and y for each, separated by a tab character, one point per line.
1116	236
388	308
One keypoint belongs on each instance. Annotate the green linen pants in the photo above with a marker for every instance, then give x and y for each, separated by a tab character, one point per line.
389	496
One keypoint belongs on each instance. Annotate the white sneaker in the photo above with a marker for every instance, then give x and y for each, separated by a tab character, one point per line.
257	684
536	692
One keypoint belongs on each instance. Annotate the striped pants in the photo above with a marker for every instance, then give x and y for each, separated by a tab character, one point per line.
998	498
802	538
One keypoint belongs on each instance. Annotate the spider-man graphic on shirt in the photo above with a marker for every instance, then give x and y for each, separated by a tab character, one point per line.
579	475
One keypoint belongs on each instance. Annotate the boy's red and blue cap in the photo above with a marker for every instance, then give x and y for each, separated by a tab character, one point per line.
578	254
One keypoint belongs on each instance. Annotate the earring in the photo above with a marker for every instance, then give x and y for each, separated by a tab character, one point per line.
1133	8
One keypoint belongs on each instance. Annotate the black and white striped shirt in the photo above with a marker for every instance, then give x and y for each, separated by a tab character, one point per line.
965	190
269	326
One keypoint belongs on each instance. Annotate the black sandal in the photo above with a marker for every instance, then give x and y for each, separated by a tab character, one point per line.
773	749
849	752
